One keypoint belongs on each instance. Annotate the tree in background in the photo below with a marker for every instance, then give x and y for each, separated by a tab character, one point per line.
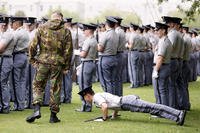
20	13
190	14
194	23
3	10
127	16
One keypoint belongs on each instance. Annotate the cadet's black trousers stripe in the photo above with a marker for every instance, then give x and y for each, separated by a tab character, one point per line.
14	89
141	107
157	87
1	92
101	68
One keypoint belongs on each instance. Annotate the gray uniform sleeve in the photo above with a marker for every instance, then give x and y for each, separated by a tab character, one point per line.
85	46
6	38
162	51
103	40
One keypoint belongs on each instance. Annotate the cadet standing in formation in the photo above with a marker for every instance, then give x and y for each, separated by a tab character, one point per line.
108	63
6	63
88	66
161	70
19	62
120	55
31	28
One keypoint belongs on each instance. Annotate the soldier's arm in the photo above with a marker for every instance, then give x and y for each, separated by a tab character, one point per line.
33	46
159	62
5	40
68	50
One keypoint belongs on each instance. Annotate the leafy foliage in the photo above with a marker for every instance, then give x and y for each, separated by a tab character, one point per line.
191	13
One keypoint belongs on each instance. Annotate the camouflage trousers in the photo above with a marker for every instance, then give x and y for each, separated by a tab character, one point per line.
43	74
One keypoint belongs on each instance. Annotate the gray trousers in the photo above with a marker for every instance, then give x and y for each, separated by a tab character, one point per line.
172	87
198	63
66	90
19	80
160	85
120	67
6	67
134	104
29	79
148	67
108	73
135	67
85	81
185	102
181	90
125	76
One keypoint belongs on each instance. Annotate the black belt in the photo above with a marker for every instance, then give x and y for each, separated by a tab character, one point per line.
87	61
7	56
174	58
162	64
19	52
134	50
141	50
106	55
120	51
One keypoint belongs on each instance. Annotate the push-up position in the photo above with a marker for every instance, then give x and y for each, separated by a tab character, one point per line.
130	103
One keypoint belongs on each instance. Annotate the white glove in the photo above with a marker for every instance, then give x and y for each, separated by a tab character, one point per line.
77	52
78	69
155	74
126	45
99	120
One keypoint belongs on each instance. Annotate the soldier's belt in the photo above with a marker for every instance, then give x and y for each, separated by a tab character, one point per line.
7	56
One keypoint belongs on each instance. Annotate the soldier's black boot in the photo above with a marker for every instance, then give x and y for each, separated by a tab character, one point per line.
53	118
36	114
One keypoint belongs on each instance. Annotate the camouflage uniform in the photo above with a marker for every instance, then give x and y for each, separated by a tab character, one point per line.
55	44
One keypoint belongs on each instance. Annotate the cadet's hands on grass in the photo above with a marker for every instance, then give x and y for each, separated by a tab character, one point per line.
99	120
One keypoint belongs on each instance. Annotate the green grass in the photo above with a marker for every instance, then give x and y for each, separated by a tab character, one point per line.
73	122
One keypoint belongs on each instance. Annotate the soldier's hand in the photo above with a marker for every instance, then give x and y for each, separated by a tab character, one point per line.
65	71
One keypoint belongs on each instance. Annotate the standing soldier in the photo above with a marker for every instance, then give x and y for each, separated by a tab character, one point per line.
161	70
134	56
19	62
53	59
31	28
120	54
88	66
108	63
185	68
174	37
6	63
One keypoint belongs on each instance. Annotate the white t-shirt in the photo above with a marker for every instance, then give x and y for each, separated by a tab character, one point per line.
111	100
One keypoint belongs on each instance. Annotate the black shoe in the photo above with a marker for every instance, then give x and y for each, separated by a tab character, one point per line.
35	115
53	118
181	119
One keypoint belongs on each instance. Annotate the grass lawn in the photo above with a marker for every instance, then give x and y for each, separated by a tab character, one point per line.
73	122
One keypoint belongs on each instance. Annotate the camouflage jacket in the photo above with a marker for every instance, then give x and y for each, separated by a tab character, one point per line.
54	43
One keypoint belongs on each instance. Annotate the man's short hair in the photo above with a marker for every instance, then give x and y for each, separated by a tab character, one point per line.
58	13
